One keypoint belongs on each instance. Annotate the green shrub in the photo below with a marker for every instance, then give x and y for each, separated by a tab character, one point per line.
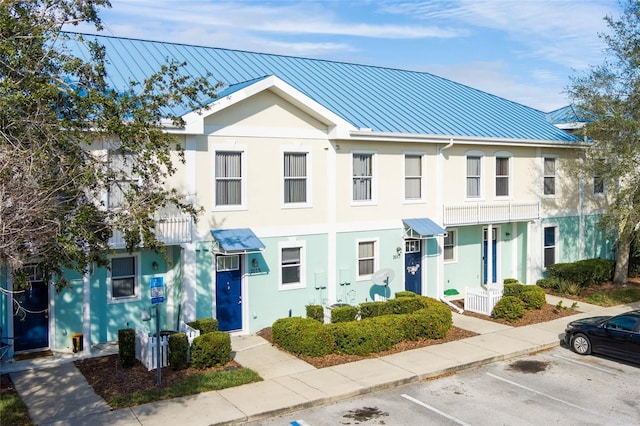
405	293
205	325
367	336
373	309
403	305
127	347
552	283
514	289
583	272
433	323
510	281
344	313
509	308
304	336
533	297
315	312
178	351
211	350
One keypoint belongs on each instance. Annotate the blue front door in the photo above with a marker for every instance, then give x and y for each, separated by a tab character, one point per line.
229	293
31	323
412	265
485	258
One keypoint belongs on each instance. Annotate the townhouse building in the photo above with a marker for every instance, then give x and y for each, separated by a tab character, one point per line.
326	182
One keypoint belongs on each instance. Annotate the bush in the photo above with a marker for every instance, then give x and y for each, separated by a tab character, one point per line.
552	283
178	351
127	347
315	312
205	325
427	323
534	297
509	308
404	305
405	293
373	309
583	272
510	281
303	336
344	313
211	350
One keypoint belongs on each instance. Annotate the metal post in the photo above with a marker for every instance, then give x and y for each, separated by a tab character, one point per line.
158	362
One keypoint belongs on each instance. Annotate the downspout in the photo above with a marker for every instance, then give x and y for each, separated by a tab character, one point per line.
440	191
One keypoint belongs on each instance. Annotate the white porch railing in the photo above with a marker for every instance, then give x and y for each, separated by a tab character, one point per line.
477	213
480	300
146	349
169	230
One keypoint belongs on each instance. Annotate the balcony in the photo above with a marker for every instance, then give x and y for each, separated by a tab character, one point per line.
169	230
498	212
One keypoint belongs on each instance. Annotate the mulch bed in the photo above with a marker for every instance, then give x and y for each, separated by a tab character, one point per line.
547	313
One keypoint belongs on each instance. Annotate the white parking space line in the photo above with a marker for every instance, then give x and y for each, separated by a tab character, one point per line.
594	367
586	410
435	410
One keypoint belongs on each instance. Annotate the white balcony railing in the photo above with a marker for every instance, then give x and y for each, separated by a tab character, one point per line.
169	230
477	213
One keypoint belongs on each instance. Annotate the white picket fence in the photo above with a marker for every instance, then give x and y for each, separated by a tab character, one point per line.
146	346
480	300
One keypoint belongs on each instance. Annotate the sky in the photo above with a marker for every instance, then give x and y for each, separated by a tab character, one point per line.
522	50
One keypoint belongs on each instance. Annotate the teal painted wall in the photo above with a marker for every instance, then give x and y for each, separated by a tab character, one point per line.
594	240
205	278
466	271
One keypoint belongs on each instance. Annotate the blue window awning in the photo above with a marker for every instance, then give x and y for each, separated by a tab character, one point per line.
422	228
241	240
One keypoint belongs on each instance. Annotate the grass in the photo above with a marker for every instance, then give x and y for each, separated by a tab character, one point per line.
13	411
190	385
614	297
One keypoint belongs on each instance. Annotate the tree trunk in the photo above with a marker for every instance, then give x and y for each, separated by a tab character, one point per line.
621	272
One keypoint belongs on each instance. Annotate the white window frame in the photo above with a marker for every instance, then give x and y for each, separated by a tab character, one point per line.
303	265
297	150
480	155
554	176
422	196
227	262
508	156
127	169
556	232
137	296
374	168
243	177
376	257
454	234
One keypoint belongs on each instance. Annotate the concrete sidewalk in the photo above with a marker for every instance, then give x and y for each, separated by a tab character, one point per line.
60	395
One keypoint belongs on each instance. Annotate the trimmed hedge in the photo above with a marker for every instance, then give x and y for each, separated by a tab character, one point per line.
405	293
178	350
211	350
373	309
127	347
344	313
303	336
510	308
205	325
315	312
583	272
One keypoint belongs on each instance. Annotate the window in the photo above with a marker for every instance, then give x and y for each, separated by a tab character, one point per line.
550	176
227	263
450	245
473	176
413	177
549	245
295	177
502	176
623	322
362	177
598	185
121	165
366	258
123	281
292	265
228	178
412	246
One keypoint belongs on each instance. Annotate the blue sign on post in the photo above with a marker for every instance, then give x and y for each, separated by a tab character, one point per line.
157	290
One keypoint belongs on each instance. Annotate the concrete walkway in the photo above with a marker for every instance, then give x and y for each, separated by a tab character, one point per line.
59	395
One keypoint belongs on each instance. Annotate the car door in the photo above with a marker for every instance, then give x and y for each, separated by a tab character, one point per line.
615	336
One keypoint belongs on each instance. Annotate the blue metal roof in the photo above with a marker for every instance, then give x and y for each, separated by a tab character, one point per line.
425	227
567	114
237	240
382	99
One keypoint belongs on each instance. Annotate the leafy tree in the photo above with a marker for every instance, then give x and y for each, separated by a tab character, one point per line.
67	141
609	95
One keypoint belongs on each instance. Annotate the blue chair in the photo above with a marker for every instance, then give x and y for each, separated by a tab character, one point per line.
6	343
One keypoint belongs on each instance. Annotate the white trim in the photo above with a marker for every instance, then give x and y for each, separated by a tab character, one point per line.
556	245
302	245
376	257
481	194
297	149
423	170
374	173
556	176
137	287
455	246
230	146
509	156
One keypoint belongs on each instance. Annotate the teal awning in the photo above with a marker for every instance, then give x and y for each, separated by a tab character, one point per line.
241	240
422	228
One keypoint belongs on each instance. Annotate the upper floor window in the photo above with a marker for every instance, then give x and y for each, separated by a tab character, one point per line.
412	177
450	245
474	170
550	251
502	176
366	258
362	177
124	281
550	171
124	178
228	171
295	177
292	265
